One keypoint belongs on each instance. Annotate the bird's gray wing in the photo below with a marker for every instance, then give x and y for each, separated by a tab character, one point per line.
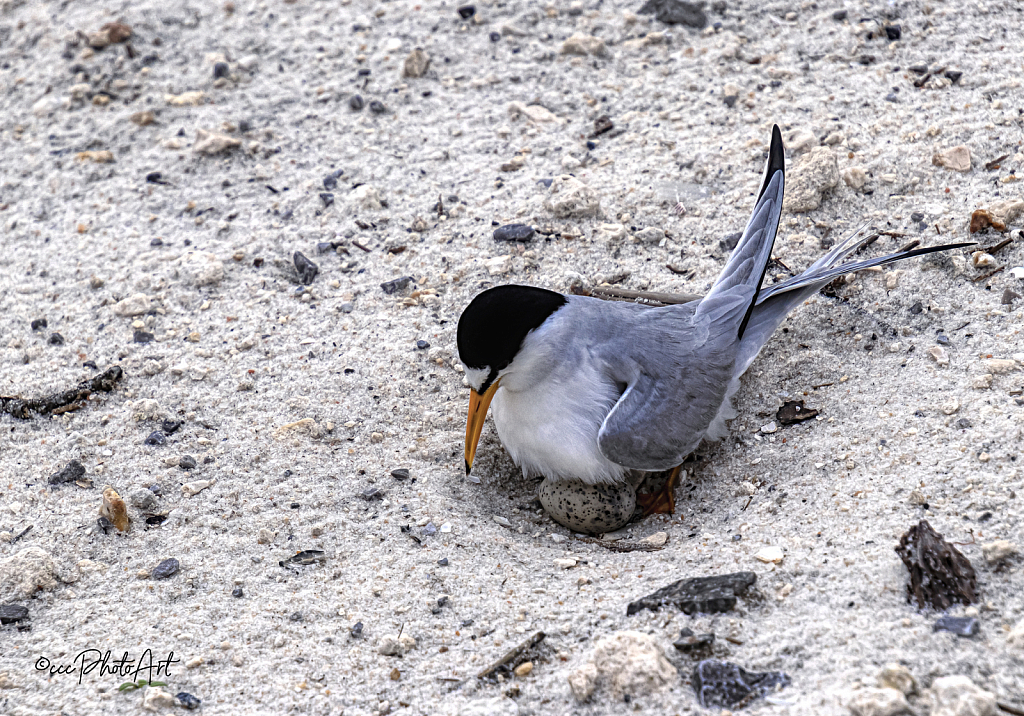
676	374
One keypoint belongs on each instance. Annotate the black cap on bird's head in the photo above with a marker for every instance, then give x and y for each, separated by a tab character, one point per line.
491	332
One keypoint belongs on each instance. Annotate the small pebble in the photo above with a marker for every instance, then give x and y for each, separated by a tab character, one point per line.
13	613
327	198
495	36
306	268
237	593
466	11
377	107
296	616
961	626
356	630
166	569
55	339
141	336
74	470
443	562
372	493
893	32
187	462
514	232
156	438
156	242
400	474
355	102
38	323
187	700
171	426
396	284
221	69
422	345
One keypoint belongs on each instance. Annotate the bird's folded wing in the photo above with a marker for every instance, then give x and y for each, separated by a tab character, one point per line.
676	379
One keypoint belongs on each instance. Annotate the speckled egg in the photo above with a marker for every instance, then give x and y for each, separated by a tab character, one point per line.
592	509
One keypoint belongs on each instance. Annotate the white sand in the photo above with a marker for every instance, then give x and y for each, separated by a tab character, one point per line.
834	494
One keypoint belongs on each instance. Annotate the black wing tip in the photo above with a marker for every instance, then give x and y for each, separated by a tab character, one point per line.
776	159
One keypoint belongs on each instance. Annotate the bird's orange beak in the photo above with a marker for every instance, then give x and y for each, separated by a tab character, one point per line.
478	405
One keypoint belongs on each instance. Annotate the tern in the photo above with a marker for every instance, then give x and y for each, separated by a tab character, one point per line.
589	393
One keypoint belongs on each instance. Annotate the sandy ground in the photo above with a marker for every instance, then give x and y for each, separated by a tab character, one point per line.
242	351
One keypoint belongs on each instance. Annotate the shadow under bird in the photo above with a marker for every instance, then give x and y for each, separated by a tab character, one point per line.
593	395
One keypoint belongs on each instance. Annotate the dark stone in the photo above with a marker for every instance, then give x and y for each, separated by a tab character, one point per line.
689	642
602	125
467	11
156	242
962	424
729	242
90	364
893	32
156	438
942	340
545	182
372	493
591	145
793	411
187	700
296	616
305	557
839	15
74	470
12	613
961	626
237	593
892	97
154	520
400	474
422	345
171	426
443	562
257	262
705	595
356	630
156	178
495	36
166	569
244	126
38	323
676	12
143	337
917	308
916	217
919	69
719	683
1009	296
104	524
377	107
953	75
396	284
323	247
940	575
730	100
156	489
514	232
55	339
221	69
355	102
327	198
187	462
866	59
209	460
306	268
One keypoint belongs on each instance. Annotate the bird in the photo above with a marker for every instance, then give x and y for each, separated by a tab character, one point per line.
592	395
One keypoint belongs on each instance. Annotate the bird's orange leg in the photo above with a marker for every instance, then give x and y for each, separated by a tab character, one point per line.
663	501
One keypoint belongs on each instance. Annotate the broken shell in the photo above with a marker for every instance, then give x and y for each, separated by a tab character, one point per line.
114	509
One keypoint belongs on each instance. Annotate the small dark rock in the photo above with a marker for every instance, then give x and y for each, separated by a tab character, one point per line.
166	569
156	489
13	613
396	284
962	424
602	125
237	593
729	242
495	36
730	100
323	247
364	72
141	336
942	340
355	102
372	493
38	323
892	97
893	32
591	145
793	411
867	59
306	268
327	198
443	562
356	630
156	438
104	524
514	232
706	595
467	11
187	462
156	178
940	575
257	262
209	460
71	472
188	701
839	15
156	242
400	474
919	69
545	182
1009	296
690	642
90	364
377	107
422	345
221	69
961	626
676	12
244	126
55	339
171	426
330	181
916	217
719	683
296	617
917	308
953	75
